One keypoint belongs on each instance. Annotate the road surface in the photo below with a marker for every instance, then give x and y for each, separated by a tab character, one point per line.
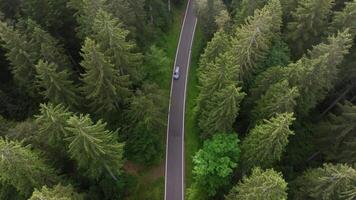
174	174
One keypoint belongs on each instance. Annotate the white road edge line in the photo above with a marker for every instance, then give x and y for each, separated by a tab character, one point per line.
170	96
185	94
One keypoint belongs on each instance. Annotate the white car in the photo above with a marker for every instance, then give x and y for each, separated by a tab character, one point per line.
176	73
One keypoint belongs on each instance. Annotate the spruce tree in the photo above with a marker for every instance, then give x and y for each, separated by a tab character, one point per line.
344	19
253	39
112	39
308	22
279	98
103	86
93	147
22	168
330	182
58	192
260	185
56	85
265	143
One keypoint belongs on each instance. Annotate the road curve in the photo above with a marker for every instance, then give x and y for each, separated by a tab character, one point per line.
174	172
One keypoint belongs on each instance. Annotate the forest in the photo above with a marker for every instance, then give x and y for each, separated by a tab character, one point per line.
84	97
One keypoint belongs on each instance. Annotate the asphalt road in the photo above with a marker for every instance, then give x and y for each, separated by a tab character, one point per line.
174	174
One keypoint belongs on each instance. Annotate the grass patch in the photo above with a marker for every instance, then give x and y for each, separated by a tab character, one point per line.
192	138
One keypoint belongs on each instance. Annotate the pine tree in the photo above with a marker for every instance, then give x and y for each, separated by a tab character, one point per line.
316	75
279	98
253	39
95	149
104	87
22	168
219	44
215	162
58	192
52	122
260	185
86	11
345	19
265	143
113	42
221	111
21	56
308	22
57	86
330	182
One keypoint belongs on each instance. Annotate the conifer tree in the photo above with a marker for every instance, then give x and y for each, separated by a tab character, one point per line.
330	182
156	64
58	192
215	162
219	44
52	122
279	98
104	87
260	185
93	147
57	86
22	168
21	56
253	39
221	111
265	143
345	19
112	39
308	22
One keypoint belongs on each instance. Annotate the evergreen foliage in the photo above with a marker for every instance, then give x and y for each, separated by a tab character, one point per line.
345	19
58	192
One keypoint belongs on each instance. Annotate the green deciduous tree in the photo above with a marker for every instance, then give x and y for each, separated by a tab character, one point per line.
308	22
330	182
252	40
215	162
22	168
265	143
58	192
93	147
55	85
260	185
103	86
279	98
112	39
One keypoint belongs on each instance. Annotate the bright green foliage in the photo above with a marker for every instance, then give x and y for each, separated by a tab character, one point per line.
330	182
219	44
56	85
95	149
337	134
156	64
219	79
103	85
22	168
315	76
112	39
58	192
265	143
221	110
253	39
86	11
147	114
308	22
279	98
21	56
260	185
207	12
345	19
51	122
215	162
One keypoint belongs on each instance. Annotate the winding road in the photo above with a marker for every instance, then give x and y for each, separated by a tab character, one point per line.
174	172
